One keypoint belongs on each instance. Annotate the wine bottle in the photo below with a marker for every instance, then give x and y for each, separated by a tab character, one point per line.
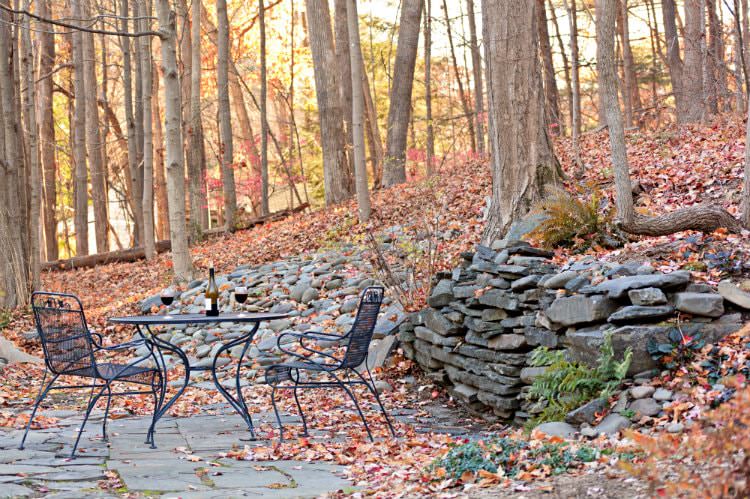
212	294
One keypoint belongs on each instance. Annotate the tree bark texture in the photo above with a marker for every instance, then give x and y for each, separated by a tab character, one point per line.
47	135
342	45
337	176
80	184
160	181
196	167
264	209
225	115
430	132
674	60
693	81
551	93
521	156
181	260
476	67
148	134
399	112
701	217
358	112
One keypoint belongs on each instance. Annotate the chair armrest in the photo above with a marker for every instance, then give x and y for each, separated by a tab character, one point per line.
309	336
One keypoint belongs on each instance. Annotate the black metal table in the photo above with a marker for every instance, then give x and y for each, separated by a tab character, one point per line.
236	401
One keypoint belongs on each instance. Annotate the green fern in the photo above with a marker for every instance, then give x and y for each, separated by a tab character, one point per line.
567	385
568	219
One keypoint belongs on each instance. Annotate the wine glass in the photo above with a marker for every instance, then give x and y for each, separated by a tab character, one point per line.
240	294
167	296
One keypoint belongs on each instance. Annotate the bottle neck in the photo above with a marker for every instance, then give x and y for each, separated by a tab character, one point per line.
211	273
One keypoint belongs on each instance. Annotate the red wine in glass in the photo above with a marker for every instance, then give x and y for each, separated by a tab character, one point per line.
240	294
167	297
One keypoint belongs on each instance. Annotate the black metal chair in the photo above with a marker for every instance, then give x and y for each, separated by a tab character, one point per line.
69	350
357	344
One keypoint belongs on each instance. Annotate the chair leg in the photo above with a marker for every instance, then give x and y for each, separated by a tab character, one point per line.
299	407
92	403
106	414
356	404
371	386
157	405
276	411
43	391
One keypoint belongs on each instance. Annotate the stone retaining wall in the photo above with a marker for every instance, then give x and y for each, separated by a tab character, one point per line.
489	313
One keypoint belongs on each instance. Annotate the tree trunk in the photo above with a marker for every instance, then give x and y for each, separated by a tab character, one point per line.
399	112
47	133
430	146
373	133
134	175
674	61
717	75
476	66
358	107
196	167
342	42
35	173
160	181
746	187
575	89
148	147
94	142
703	217
551	93
693	82
264	209
80	185
14	270
522	160
225	116
461	94
181	260
632	97
337	177
564	56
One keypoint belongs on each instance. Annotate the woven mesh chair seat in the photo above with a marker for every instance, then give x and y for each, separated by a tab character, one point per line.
121	372
283	372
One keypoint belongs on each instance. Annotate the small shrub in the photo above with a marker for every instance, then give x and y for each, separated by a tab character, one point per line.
678	351
570	220
567	385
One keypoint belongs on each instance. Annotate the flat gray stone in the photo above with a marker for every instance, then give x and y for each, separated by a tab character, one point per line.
557	429
617	288
579	309
639	313
645	407
15	490
734	295
643	391
647	296
704	304
612	424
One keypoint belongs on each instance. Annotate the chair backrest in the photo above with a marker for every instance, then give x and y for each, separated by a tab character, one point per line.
66	339
364	325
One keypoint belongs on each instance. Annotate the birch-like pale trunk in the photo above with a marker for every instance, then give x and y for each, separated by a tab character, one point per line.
196	167
225	116
430	132
80	184
181	260
160	181
358	112
476	67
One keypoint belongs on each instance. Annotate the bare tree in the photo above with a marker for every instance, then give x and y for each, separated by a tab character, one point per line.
264	209
196	167
575	83
476	66
182	262
160	181
674	61
32	134
522	160
457	73
693	80
80	185
341	43
94	143
47	134
550	81
702	217
630	94
225	117
430	146
337	176
148	134
399	112
358	108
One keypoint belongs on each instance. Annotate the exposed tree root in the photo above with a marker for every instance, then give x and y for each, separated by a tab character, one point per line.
704	218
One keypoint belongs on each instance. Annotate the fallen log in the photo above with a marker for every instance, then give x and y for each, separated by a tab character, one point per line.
139	253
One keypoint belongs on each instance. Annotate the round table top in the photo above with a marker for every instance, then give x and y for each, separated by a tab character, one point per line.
154	320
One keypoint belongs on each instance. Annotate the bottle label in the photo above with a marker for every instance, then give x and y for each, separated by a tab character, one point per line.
208	304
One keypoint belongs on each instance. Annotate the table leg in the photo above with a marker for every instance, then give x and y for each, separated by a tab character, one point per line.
236	401
163	407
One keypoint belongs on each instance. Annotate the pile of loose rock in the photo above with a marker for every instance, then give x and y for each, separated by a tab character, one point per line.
489	313
320	292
